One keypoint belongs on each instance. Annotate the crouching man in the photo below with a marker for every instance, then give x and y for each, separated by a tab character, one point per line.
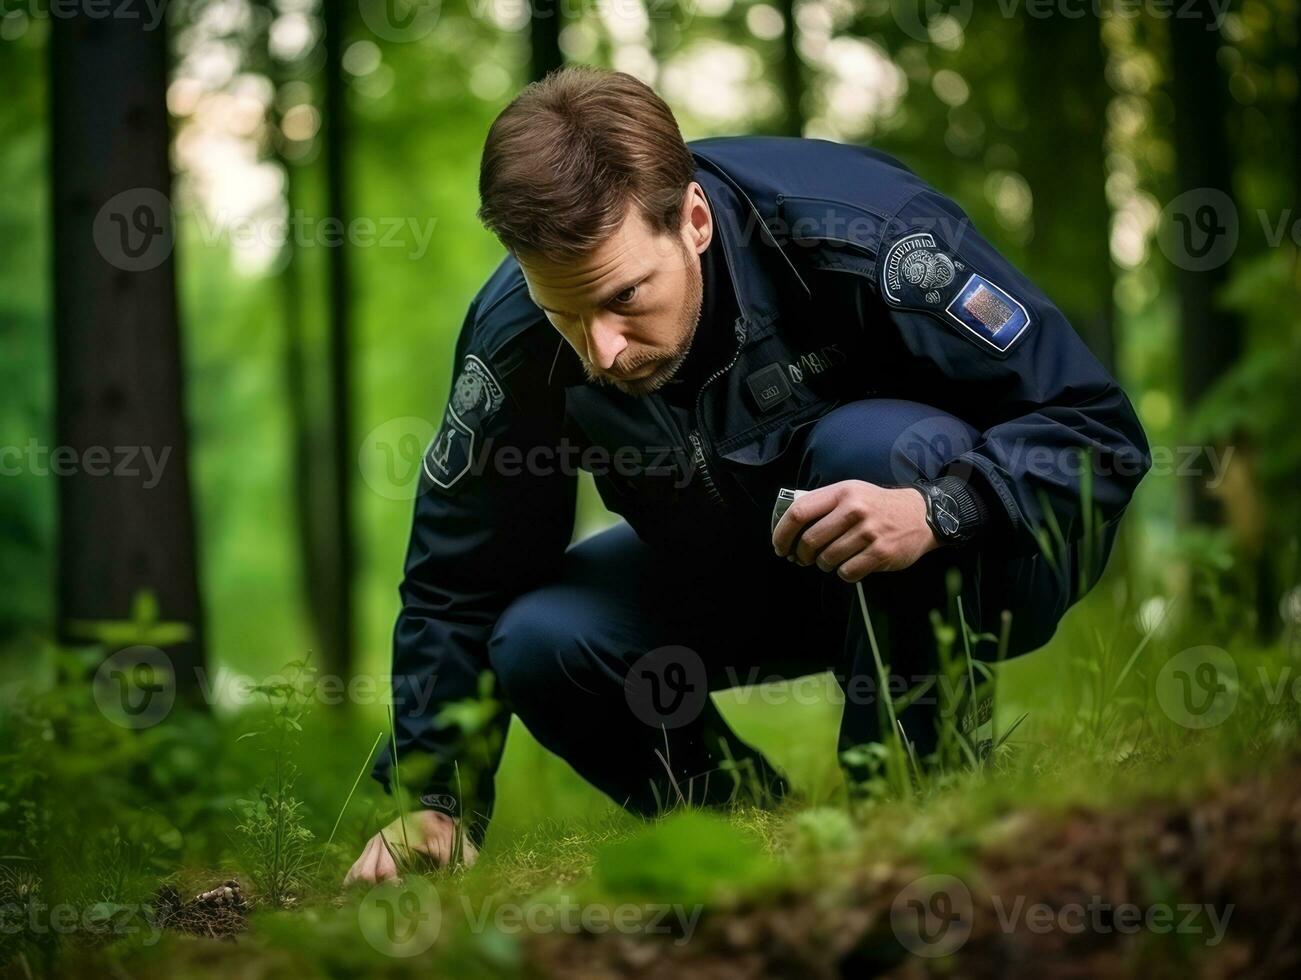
702	326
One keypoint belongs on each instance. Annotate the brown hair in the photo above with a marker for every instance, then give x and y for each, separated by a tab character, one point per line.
565	159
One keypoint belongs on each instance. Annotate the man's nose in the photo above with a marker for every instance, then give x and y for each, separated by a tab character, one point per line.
604	342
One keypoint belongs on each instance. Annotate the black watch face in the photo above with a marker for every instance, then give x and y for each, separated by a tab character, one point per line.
945	514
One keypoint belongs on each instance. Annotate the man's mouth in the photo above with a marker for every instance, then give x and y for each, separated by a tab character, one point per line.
638	374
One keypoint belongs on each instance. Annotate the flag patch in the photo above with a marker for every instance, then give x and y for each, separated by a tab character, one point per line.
988	312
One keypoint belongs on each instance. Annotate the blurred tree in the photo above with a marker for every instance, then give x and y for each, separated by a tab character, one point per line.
1064	160
546	21
126	524
336	573
1211	335
310	472
792	71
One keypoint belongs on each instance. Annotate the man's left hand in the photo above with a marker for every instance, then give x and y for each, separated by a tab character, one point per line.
855	528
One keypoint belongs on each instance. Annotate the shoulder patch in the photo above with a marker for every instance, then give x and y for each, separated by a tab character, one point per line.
917	274
476	396
989	312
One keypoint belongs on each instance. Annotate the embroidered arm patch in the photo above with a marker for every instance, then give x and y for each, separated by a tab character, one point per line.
916	273
476	396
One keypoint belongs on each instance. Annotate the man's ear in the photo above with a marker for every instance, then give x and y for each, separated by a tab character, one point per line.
697	219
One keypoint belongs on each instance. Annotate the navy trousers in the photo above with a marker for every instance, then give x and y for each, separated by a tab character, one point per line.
610	665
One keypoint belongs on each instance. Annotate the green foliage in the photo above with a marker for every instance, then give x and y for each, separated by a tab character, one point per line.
272	832
275	840
690	856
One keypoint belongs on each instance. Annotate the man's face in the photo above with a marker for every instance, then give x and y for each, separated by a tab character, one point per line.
630	308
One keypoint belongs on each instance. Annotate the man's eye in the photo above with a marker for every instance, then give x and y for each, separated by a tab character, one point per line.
626	296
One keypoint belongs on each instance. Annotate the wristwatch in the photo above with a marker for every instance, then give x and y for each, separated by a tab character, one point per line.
954	512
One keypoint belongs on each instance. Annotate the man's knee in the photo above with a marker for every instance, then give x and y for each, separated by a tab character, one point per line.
885	441
536	655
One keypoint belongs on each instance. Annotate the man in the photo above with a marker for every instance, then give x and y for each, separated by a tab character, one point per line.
702	327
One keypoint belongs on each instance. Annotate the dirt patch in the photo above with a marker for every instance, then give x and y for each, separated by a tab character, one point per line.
217	913
1204	889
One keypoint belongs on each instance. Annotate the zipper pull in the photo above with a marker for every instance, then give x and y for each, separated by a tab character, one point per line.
739	329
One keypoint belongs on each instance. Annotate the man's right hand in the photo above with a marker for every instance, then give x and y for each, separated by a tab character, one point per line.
428	832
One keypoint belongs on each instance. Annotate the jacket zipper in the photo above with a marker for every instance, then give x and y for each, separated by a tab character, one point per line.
699	440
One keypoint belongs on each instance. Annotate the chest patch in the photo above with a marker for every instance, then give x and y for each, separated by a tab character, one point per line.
476	396
768	387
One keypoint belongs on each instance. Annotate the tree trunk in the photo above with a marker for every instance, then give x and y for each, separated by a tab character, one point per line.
792	73
545	25
1212	337
126	523
337	578
1064	161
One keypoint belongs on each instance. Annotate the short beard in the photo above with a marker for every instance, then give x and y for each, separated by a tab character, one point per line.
672	362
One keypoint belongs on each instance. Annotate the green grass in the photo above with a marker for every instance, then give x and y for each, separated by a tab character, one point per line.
99	814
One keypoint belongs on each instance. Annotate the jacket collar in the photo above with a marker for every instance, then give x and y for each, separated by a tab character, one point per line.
754	257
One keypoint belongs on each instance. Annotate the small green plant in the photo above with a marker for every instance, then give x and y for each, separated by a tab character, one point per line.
272	831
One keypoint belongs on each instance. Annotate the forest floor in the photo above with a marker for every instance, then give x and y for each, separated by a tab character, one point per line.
1111	836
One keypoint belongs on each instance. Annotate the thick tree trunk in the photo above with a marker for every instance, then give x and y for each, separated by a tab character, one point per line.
336	579
545	24
1212	337
118	358
1064	161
